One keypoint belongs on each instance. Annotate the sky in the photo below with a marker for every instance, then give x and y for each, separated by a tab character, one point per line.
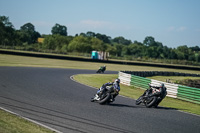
172	22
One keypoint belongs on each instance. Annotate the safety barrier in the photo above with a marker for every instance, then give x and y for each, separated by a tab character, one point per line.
173	90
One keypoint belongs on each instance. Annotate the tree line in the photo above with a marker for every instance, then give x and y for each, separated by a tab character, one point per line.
118	47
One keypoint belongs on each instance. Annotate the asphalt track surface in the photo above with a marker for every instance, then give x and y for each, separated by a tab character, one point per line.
49	96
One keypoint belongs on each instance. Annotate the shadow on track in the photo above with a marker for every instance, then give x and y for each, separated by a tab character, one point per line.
139	106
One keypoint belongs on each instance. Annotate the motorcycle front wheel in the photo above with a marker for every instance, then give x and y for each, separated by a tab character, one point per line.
139	100
105	98
150	101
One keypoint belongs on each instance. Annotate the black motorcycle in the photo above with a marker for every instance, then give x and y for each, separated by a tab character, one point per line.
105	96
149	101
100	71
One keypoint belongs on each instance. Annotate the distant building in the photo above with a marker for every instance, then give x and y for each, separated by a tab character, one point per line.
100	55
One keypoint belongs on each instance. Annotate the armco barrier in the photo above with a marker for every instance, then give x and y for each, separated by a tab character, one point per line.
173	90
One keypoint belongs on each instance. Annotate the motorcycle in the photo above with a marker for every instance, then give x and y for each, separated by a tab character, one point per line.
148	100
105	96
100	71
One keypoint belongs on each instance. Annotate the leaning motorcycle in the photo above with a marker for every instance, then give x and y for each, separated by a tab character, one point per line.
100	71
105	96
149	101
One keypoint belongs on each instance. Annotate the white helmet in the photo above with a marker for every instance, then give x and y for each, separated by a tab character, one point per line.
117	80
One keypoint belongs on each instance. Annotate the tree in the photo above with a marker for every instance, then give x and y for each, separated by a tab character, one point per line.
196	48
28	27
149	41
57	42
97	44
104	38
5	21
90	34
80	44
59	29
118	48
183	52
112	50
7	31
122	40
28	34
135	49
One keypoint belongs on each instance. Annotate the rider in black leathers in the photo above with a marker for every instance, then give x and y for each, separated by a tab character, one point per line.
160	94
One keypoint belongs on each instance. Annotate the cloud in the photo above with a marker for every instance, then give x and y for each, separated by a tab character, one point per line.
176	29
180	29
171	28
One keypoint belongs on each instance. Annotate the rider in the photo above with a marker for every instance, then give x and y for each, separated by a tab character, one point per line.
103	68
160	94
115	85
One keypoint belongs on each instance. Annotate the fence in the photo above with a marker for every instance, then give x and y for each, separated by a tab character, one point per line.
173	90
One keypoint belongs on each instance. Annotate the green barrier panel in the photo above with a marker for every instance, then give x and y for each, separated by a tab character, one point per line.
188	88
191	97
140	85
189	94
140	81
189	100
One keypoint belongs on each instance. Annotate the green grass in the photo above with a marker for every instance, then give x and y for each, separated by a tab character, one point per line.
12	60
10	123
96	80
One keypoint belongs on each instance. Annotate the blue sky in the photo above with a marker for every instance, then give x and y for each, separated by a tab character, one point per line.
172	22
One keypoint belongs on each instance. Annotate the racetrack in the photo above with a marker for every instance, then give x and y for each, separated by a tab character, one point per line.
49	96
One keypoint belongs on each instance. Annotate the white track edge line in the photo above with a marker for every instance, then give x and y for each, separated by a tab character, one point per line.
33	121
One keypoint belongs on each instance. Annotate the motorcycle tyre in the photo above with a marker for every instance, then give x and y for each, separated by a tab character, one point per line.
139	100
106	99
149	105
99	71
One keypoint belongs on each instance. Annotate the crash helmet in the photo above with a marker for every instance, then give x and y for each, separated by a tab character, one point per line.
162	85
117	81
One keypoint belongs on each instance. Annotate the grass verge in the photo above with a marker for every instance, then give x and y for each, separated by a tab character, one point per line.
96	80
21	61
10	123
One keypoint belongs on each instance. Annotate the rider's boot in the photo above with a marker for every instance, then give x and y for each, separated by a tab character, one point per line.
112	99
